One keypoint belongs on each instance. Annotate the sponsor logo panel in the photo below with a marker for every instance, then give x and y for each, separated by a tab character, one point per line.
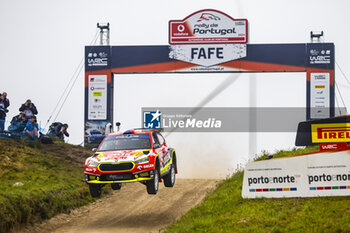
335	132
97	59
97	97
320	95
208	27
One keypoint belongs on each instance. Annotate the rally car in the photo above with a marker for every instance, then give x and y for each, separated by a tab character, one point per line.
138	155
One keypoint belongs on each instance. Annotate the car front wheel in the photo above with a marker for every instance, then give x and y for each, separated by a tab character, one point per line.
116	186
169	179
95	190
153	185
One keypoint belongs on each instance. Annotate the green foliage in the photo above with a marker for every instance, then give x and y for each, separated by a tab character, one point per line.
52	182
224	210
285	153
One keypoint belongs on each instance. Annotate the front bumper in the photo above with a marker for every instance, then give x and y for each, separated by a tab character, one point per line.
126	177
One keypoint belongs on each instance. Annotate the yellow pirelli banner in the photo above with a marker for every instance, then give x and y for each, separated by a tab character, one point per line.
332	132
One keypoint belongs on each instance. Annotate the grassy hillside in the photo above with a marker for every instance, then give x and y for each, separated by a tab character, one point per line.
52	178
224	210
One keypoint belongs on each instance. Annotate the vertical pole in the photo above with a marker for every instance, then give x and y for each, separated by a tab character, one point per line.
107	34
101	36
104	33
252	115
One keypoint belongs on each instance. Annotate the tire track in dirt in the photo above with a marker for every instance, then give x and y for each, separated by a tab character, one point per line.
131	209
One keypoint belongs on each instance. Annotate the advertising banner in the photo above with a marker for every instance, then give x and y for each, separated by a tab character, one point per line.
97	103
320	95
304	133
208	27
98	110
207	56
97	57
314	175
337	132
320	55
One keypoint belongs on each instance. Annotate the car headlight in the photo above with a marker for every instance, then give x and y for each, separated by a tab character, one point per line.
93	163
141	161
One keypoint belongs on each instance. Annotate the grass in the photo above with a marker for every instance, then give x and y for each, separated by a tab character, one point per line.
286	153
52	178
224	210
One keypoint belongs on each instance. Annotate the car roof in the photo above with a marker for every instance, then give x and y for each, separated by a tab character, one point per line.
136	131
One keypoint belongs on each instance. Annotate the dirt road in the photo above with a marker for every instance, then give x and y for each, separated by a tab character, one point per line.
131	209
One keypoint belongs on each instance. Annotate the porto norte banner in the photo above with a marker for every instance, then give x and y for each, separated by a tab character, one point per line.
313	175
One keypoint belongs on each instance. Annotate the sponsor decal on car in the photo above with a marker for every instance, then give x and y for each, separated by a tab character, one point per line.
141	167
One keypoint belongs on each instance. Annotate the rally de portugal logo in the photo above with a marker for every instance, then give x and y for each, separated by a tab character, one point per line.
152	119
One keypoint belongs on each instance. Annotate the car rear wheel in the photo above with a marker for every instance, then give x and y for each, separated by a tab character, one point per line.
116	186
153	185
169	179
95	190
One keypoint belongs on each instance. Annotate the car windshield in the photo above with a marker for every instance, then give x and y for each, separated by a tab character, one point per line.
126	142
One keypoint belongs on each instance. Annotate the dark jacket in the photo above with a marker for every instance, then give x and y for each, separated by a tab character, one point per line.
7	103
31	107
3	109
16	119
59	133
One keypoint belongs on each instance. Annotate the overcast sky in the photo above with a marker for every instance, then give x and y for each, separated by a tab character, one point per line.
42	43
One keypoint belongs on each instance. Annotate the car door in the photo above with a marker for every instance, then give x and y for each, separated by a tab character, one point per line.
165	157
159	150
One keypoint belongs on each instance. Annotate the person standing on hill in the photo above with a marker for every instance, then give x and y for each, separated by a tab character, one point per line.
7	101
29	109
4	103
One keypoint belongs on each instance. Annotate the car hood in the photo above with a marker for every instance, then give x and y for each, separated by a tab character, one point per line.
122	155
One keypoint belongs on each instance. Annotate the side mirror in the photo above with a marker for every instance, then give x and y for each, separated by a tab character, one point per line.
156	146
94	149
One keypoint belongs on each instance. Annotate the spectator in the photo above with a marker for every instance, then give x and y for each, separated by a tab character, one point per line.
29	109
61	131
109	128
32	129
18	123
3	110
7	101
19	118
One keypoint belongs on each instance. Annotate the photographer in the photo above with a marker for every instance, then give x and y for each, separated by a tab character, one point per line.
18	119
32	128
3	110
60	130
29	109
17	123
